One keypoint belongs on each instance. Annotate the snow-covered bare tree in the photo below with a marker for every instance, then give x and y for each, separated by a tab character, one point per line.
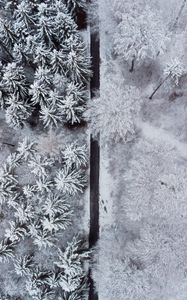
114	111
155	184
173	71
114	273
158	252
140	33
150	266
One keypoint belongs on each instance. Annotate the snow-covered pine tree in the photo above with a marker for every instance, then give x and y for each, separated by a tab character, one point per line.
40	165
36	284
72	106
39	212
174	69
67	277
23	265
76	60
13	236
75	5
70	180
75	155
8	183
6	249
14	86
54	216
16	231
71	263
26	149
39	40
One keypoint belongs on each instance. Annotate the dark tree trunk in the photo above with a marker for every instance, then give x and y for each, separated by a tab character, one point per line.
132	65
158	87
179	15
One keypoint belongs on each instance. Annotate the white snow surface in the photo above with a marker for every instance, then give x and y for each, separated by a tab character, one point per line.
145	259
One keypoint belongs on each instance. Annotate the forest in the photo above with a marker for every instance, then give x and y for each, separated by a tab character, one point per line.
93	150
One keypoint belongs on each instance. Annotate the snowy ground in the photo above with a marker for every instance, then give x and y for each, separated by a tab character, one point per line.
142	248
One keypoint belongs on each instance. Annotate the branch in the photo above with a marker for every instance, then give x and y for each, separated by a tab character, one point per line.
6	143
6	50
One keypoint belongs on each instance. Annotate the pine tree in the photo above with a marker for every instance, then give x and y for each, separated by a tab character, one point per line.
57	213
36	285
43	185
50	116
26	149
41	214
23	265
76	60
73	104
38	40
26	21
16	231
6	249
74	5
75	155
71	264
70	181
8	184
14	81
13	235
40	93
39	165
17	113
57	62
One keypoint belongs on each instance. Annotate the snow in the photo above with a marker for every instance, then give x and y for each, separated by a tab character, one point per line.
144	257
141	253
160	135
106	191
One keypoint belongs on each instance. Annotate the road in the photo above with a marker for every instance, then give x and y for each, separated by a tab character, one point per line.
94	159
